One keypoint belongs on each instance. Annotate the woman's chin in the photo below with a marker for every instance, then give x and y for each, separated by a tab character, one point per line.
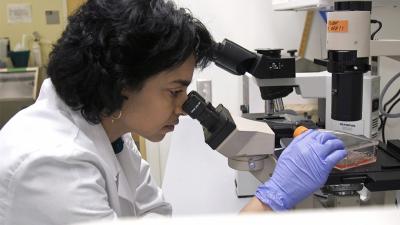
156	138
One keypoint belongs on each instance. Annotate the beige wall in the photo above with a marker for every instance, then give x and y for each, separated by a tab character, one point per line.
49	33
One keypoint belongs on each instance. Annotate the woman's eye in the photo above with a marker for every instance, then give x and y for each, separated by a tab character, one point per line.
175	93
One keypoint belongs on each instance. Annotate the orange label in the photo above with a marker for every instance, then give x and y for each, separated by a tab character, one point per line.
338	26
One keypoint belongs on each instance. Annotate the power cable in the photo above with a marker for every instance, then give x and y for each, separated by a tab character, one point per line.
385	106
377	30
384	121
382	111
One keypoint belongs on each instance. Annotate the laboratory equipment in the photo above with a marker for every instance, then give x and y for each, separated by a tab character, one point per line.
250	146
351	92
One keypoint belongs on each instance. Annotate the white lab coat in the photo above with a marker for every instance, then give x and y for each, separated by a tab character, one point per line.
56	168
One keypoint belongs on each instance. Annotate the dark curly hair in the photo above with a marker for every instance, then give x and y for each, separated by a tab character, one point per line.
109	45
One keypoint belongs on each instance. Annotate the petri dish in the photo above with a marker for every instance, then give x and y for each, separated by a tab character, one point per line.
360	150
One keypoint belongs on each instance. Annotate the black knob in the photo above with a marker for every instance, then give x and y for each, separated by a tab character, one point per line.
244	108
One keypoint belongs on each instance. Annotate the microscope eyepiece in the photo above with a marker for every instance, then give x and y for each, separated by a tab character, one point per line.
217	122
197	108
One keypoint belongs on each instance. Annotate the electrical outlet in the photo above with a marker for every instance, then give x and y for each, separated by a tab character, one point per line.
204	88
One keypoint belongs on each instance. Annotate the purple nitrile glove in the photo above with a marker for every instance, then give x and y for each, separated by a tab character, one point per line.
302	168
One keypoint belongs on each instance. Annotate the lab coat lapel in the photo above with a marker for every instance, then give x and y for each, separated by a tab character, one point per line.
128	180
124	190
126	196
130	164
121	196
103	148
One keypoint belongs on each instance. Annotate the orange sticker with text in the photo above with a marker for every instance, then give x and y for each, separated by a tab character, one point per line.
338	26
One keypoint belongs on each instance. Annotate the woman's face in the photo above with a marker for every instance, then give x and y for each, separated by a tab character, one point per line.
154	110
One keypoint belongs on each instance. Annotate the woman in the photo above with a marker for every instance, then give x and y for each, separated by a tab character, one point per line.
122	66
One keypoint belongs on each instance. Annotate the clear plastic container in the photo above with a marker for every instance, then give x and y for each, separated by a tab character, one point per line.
360	150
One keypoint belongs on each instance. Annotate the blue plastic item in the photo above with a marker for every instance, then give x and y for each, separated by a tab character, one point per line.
323	15
19	58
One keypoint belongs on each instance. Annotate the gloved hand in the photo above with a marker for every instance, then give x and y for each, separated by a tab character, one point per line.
302	168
